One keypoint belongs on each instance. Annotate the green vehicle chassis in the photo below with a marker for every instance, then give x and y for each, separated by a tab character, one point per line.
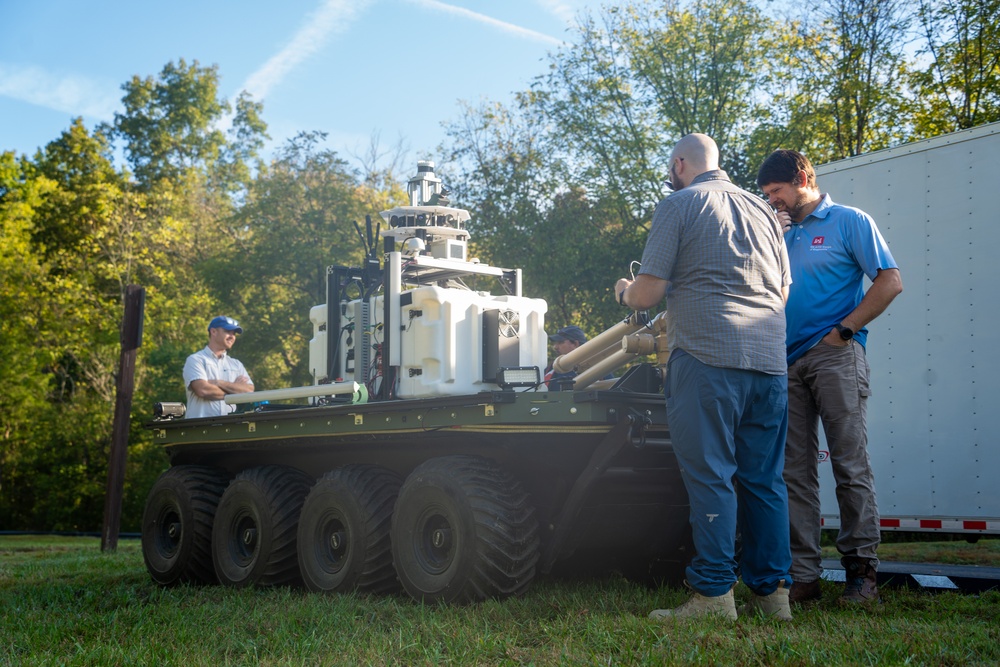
510	484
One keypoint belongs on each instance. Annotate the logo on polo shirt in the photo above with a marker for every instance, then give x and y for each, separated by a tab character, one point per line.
819	243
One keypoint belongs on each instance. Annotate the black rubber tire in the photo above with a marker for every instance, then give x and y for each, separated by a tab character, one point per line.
177	524
463	530
343	539
253	539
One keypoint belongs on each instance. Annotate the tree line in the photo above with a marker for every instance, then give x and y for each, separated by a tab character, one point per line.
196	217
561	182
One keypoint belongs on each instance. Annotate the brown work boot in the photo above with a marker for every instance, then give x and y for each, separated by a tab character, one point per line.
804	591
700	605
861	586
774	605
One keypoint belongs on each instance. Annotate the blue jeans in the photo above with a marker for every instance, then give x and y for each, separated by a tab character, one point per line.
728	429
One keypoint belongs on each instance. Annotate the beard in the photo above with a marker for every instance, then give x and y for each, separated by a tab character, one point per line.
797	206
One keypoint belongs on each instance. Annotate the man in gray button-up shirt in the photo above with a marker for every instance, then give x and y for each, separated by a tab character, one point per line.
716	252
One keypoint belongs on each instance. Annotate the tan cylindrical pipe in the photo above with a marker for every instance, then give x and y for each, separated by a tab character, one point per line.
607	339
639	343
661	342
599	370
596	358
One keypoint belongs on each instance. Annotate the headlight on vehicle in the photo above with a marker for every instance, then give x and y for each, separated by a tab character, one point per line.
521	376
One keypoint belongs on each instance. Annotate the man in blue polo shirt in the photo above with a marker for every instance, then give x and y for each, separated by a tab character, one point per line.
831	249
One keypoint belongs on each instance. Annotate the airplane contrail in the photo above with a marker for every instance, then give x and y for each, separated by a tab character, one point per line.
520	31
333	16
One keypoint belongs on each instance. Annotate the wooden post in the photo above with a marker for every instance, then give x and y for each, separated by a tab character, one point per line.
131	338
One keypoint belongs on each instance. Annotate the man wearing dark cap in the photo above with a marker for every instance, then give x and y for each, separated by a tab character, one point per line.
564	341
210	374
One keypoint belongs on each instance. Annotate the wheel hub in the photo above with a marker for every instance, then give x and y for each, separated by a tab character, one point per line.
174	530
337	540
441	538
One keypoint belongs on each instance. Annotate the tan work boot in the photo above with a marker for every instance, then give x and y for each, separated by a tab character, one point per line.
774	605
700	605
861	587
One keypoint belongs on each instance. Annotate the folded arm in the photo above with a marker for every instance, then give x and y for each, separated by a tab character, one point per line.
216	390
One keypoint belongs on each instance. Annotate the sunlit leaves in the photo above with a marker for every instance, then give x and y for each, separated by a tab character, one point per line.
959	87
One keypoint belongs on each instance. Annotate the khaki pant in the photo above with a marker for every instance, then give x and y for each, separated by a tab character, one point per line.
829	383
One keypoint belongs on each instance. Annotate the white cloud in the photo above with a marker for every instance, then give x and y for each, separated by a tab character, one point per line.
525	33
333	16
75	95
561	9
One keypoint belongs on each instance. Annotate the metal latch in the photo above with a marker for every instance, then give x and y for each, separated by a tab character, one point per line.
637	425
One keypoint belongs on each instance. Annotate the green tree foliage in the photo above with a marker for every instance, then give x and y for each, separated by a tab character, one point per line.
960	86
74	293
500	166
563	184
588	144
849	70
575	236
247	135
298	219
22	401
169	123
704	67
650	73
77	237
77	230
523	217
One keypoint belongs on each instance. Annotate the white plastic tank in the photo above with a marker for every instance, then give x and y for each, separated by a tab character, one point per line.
452	340
317	344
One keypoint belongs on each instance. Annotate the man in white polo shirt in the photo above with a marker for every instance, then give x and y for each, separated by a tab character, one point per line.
211	373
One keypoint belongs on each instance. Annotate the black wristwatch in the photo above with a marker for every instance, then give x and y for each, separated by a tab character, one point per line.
621	297
846	333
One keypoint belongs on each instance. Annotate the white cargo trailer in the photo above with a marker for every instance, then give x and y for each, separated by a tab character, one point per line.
934	413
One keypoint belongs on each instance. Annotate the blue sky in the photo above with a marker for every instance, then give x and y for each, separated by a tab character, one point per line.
350	68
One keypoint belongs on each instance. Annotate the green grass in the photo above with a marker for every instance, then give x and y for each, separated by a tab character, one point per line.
958	552
63	602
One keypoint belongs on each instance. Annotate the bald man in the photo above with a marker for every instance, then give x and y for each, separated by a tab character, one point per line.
716	252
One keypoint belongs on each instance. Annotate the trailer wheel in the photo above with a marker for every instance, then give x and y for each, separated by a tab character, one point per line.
253	540
177	524
463	530
343	536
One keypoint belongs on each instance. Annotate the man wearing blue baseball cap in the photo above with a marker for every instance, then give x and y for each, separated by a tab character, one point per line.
564	341
210	374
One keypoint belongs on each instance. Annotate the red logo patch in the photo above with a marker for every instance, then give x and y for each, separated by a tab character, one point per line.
818	240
